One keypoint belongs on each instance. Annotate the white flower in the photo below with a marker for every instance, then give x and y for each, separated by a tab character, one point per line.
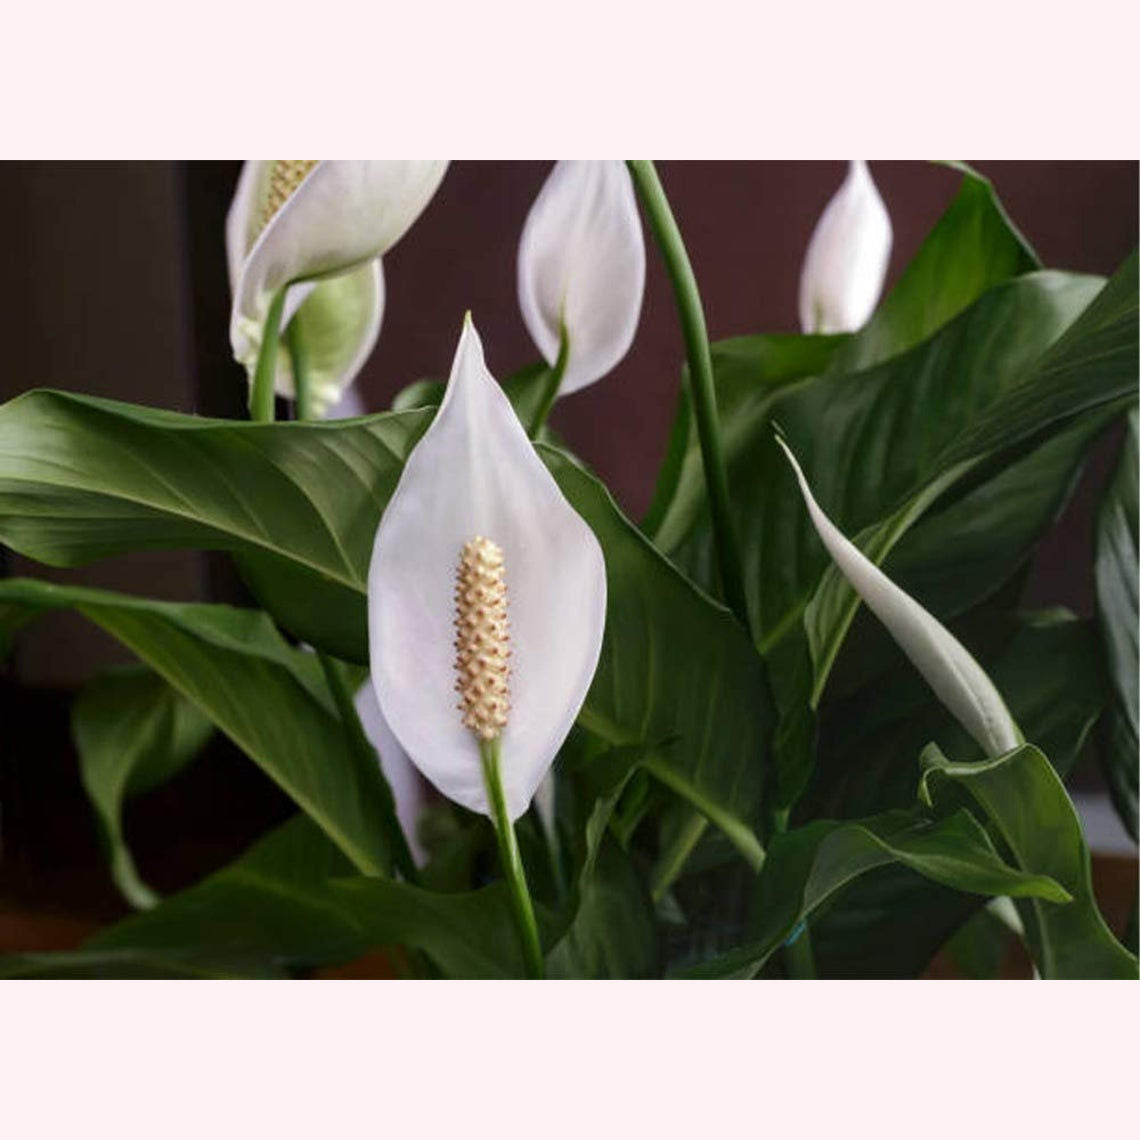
476	508
581	265
957	679
403	779
847	257
319	229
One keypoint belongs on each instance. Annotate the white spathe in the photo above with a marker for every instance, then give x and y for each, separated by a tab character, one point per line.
408	790
957	679
324	243
846	260
581	264
474	472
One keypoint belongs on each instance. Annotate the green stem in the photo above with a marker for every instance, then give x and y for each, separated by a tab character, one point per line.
551	384
366	754
738	833
673	859
299	357
265	375
695	332
510	859
799	958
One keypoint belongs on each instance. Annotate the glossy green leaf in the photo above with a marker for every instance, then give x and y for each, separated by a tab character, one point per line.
269	698
1048	672
1116	588
749	372
891	923
288	903
961	551
612	934
806	867
82	478
675	666
132	732
1025	802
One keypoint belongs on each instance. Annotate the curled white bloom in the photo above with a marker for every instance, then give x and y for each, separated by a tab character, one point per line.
846	260
957	679
581	266
318	229
486	598
407	788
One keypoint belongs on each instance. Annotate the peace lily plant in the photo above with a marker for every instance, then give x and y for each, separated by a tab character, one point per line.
526	736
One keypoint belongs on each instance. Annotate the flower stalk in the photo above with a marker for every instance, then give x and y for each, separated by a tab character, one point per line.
551	383
695	332
261	392
302	378
510	859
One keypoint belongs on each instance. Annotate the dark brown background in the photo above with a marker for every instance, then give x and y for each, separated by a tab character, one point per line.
113	282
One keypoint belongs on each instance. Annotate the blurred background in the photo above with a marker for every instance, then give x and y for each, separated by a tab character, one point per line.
113	282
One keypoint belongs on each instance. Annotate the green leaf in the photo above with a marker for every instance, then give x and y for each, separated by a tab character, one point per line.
749	372
133	732
1047	672
978	947
1116	587
675	666
419	394
612	934
286	903
83	478
891	923
1024	800
991	529
808	866
270	699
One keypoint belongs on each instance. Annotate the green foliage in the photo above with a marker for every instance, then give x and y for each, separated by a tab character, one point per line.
762	780
1116	586
1023	799
133	732
269	698
807	866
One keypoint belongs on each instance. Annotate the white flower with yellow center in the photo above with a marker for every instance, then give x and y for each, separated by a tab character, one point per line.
486	591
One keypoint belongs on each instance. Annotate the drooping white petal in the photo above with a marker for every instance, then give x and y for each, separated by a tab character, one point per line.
957	679
342	214
581	263
475	473
846	260
407	787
